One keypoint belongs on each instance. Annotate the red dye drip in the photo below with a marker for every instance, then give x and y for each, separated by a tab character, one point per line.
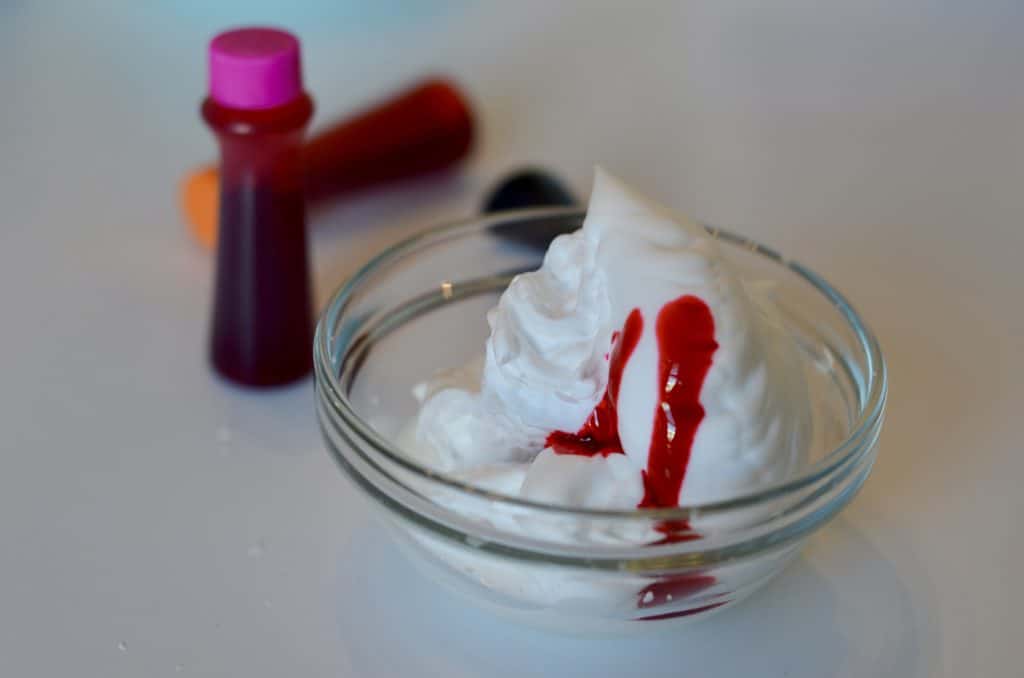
683	613
674	588
675	531
600	433
686	344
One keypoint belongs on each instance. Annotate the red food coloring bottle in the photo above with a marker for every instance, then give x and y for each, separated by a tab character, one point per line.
262	319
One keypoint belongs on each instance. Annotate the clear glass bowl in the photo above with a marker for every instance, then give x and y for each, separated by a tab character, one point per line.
420	306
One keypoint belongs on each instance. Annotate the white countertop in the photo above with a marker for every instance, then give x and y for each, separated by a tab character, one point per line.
157	522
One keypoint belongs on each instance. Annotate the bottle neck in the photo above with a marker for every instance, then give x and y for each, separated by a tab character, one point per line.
274	161
260	146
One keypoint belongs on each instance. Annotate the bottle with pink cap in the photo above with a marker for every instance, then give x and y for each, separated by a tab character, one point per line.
262	320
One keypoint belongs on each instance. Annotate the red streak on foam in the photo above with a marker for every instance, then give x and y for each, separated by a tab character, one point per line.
686	344
600	433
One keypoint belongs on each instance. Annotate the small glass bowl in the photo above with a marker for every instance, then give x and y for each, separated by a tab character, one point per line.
420	306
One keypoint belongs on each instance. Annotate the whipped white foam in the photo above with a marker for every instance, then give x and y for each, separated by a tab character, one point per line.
546	367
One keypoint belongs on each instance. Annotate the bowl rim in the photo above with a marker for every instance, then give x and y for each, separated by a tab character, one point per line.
331	392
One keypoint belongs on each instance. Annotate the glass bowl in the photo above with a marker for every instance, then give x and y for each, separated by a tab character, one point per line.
420	306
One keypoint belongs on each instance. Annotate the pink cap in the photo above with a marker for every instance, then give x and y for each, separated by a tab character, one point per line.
255	68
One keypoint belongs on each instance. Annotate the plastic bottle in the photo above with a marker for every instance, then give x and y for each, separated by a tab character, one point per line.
262	322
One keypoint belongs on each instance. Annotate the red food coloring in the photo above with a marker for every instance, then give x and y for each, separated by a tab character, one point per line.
685	332
686	344
682	613
673	588
675	531
600	433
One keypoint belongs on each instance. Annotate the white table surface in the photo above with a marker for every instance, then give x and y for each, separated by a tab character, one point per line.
157	522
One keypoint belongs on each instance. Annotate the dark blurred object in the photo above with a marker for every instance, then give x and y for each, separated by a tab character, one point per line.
529	188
